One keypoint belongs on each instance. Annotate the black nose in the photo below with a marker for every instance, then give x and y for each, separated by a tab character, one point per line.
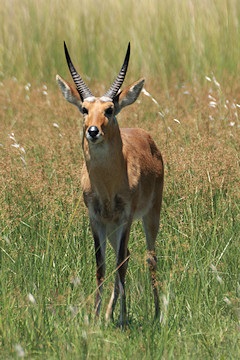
93	131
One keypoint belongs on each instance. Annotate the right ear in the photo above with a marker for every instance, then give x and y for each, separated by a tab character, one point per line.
69	92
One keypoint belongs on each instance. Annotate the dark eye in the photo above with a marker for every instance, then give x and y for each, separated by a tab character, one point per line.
109	111
85	111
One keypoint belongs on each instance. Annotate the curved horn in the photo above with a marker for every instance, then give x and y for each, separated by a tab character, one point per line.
111	93
82	88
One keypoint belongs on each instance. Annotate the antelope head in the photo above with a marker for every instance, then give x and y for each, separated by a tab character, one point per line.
99	112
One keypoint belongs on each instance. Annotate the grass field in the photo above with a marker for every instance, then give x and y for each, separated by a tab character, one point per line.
186	37
47	262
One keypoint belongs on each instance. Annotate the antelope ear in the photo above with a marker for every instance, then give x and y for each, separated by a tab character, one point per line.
69	92
128	95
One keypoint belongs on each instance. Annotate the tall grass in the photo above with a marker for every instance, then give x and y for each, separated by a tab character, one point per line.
47	271
190	38
47	262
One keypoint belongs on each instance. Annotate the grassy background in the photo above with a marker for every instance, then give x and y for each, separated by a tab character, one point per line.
47	271
187	37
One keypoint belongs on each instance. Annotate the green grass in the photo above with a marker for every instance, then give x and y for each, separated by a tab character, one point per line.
54	261
188	37
47	261
47	248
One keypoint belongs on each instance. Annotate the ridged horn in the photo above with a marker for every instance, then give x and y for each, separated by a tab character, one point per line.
82	88
112	91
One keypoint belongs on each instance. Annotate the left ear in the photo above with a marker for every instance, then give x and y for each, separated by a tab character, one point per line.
128	95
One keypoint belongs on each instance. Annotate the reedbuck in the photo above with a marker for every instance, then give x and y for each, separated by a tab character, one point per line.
122	178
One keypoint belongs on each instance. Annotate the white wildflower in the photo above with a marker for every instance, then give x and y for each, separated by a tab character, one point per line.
21	150
145	92
216	82
148	94
23	160
17	146
211	97
219	279
12	137
177	121
155	101
31	298
213	267
161	114
213	104
227	300
19	351
208	78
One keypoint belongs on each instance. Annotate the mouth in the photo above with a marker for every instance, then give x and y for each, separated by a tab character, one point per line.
94	140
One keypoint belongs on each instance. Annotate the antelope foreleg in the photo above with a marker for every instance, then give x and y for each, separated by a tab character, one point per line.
122	264
100	246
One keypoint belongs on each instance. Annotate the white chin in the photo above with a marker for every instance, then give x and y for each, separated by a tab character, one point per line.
98	140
